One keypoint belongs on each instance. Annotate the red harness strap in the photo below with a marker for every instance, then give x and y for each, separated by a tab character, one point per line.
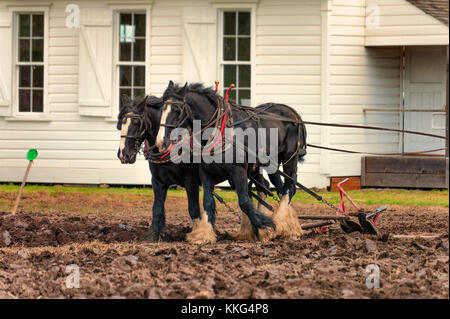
168	151
224	120
222	126
217	86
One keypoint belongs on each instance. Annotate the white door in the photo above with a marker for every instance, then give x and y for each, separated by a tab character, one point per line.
425	89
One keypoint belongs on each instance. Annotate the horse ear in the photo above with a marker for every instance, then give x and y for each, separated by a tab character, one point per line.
171	85
183	89
141	104
125	100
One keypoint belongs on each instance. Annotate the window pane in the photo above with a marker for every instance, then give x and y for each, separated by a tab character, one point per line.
126	33
125	76
229	49
127	92
138	92
38	50
38	76
229	23
126	29
244	97
24	76
125	18
244	23
24	50
38	100
38	25
229	75
231	95
125	52
139	50
244	76
139	21
24	100
244	49
139	76
24	25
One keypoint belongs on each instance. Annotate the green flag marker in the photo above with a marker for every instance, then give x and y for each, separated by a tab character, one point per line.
31	155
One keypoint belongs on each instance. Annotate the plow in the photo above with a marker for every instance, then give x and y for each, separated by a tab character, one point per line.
365	220
358	219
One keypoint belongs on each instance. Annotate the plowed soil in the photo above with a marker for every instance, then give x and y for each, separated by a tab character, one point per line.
114	262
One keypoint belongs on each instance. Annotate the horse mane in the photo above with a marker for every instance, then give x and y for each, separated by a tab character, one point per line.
154	101
136	107
179	91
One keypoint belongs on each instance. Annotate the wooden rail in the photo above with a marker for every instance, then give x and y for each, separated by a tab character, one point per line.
406	110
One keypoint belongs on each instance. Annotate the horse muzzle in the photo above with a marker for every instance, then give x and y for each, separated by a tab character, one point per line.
126	158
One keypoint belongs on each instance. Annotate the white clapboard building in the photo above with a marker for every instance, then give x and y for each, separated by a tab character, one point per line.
63	65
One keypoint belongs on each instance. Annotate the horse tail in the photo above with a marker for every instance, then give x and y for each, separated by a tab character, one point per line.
301	140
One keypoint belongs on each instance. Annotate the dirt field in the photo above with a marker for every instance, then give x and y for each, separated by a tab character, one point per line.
114	262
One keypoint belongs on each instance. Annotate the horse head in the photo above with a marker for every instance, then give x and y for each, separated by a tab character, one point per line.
135	125
182	105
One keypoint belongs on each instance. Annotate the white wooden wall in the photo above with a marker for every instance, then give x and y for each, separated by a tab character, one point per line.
288	68
72	148
360	78
398	22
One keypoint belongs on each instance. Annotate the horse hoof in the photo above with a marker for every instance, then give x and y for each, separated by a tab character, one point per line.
201	239
245	232
151	237
202	232
202	236
266	234
286	221
243	236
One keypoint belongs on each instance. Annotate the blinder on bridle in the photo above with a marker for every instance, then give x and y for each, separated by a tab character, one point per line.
140	132
184	109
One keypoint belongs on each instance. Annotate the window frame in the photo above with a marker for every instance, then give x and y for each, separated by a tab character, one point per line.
117	10
248	7
16	114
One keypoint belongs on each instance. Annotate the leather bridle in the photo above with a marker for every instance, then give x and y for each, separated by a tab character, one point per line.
184	110
140	132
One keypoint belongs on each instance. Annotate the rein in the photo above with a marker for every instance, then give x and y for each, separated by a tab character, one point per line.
385	154
255	113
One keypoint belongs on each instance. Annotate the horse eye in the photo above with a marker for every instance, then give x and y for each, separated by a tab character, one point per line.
124	121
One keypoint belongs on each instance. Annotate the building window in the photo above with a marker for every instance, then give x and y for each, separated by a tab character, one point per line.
131	53
30	62
236	47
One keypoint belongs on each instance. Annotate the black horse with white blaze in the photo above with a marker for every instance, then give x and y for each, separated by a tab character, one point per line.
138	120
184	105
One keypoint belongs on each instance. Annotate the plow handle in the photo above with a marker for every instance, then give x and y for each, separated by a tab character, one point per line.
315	225
306	189
256	182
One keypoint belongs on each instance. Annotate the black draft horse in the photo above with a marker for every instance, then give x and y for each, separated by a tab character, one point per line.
183	105
138	120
